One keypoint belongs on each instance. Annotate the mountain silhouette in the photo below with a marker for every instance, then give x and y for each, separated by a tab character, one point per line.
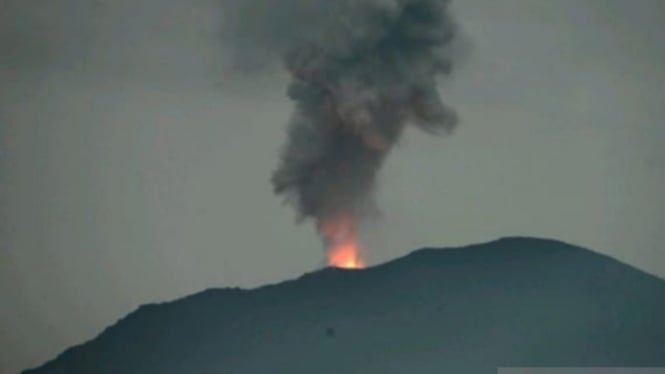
511	302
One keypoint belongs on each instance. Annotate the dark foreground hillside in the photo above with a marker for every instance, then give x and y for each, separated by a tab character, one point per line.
512	302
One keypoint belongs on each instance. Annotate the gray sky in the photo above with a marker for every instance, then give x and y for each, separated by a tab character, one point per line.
135	168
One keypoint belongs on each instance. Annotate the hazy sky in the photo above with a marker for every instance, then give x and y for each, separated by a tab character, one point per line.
134	167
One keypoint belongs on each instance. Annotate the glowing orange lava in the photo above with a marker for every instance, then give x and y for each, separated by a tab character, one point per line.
345	257
341	241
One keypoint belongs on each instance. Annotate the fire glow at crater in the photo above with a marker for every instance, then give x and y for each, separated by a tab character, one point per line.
341	241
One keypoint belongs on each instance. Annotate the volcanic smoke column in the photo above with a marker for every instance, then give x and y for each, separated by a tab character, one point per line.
353	99
361	70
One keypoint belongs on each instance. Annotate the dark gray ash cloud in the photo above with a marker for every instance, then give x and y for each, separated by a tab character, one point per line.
360	71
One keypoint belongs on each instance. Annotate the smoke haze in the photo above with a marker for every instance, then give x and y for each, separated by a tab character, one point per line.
360	70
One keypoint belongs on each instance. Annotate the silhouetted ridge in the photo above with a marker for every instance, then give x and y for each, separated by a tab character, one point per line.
510	302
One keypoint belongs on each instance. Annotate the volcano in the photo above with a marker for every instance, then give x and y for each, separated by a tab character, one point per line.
511	302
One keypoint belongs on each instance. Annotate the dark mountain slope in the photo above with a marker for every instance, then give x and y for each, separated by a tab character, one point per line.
512	302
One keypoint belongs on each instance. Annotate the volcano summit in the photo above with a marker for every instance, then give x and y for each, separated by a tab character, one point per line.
508	303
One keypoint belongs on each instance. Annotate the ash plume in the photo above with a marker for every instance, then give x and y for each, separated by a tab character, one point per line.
360	71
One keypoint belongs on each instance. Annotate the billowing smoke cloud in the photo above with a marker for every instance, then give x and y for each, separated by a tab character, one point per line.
361	70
